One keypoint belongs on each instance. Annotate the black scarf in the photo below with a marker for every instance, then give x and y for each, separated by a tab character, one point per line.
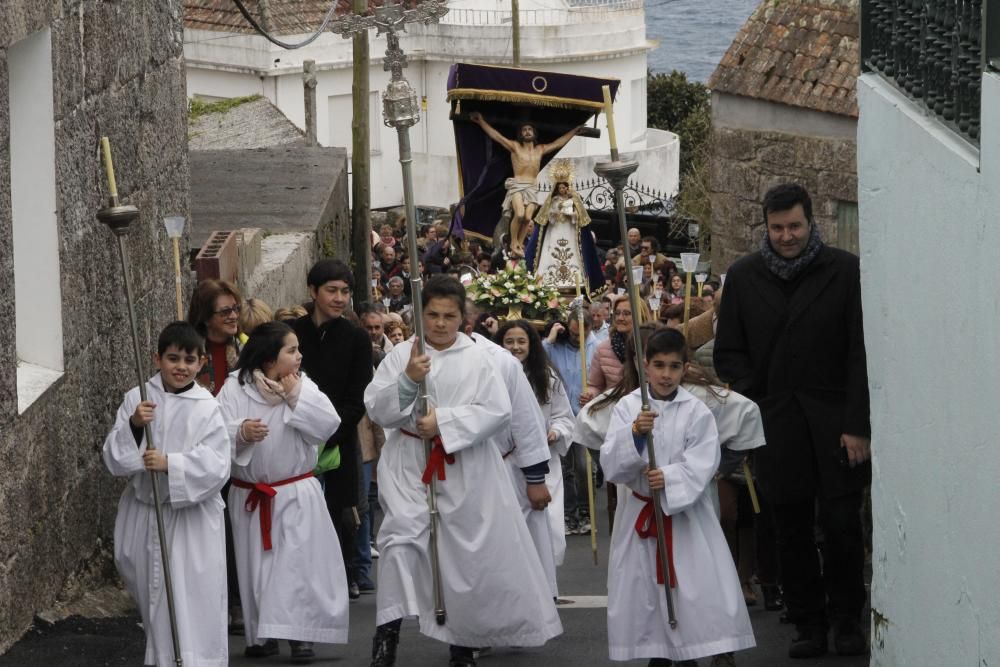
789	269
618	344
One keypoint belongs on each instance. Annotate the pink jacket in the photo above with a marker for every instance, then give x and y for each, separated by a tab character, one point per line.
605	369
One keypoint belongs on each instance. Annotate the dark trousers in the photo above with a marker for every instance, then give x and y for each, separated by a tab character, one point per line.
232	580
816	593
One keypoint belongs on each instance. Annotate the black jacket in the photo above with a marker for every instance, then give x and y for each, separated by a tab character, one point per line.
338	357
798	350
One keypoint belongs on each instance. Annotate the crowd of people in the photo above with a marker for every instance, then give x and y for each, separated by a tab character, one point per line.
305	424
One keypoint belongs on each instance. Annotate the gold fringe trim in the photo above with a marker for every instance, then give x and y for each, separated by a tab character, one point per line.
524	98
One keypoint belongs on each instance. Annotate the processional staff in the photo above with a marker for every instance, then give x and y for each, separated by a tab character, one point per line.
617	172
401	111
118	217
581	328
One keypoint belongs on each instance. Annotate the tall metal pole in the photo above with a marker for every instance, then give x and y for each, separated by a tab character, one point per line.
515	28
402	111
581	328
118	218
617	173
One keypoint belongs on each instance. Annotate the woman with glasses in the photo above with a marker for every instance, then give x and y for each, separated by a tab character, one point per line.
215	313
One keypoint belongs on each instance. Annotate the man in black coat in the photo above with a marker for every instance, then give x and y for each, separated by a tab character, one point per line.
790	337
337	355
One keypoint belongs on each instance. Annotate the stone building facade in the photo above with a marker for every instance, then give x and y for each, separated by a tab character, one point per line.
112	69
784	109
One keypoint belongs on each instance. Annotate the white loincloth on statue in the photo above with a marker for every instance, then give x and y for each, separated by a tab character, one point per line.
528	191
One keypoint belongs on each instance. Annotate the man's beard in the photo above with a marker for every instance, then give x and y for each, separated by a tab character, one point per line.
523	141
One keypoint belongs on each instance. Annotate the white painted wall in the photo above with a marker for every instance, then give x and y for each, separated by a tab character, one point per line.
929	247
609	45
38	304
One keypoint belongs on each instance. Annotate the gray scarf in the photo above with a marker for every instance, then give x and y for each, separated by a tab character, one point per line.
789	269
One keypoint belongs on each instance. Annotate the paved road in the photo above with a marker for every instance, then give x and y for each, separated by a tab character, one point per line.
583	642
78	642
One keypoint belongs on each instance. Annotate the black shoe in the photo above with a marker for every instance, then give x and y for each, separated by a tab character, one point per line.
772	597
809	643
268	648
848	638
384	645
462	656
659	662
353	592
302	652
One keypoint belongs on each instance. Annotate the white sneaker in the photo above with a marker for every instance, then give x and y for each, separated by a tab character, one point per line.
374	552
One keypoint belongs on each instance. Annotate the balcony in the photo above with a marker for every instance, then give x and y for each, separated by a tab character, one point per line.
934	52
579	11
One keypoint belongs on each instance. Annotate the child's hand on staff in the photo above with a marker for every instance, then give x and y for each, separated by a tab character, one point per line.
427	426
155	460
656	481
418	366
643	424
289	382
253	430
143	414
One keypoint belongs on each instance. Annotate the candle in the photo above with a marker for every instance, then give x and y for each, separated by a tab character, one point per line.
610	114
109	167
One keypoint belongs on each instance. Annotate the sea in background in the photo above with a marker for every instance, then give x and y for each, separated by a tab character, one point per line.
693	34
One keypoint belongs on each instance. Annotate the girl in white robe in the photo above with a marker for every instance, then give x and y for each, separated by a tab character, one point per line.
188	429
710	611
523	342
525	450
494	589
291	573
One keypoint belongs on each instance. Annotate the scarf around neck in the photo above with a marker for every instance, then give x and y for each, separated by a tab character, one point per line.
789	269
273	392
618	344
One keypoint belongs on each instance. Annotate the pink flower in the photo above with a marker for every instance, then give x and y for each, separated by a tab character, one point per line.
553	303
527	298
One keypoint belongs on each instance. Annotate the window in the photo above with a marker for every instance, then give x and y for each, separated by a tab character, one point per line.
847	227
38	301
340	110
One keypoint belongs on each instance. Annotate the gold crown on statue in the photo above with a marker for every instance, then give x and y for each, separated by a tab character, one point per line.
562	171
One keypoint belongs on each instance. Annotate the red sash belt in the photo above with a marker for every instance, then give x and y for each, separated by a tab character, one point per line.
645	527
260	495
437	459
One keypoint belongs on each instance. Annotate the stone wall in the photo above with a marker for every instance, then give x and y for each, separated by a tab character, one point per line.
117	71
747	162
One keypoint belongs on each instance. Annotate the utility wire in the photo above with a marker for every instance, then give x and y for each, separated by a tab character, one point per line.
286	45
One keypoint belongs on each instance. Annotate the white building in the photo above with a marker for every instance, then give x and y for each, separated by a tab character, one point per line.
604	38
929	196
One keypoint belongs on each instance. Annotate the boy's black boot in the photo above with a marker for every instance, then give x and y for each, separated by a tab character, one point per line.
384	644
462	656
809	643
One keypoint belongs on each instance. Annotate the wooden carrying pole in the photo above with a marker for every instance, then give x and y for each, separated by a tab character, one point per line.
582	337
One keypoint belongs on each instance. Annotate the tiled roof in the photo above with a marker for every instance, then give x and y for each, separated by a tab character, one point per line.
287	17
803	53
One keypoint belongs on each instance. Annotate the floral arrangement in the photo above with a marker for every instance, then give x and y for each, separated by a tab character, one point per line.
514	289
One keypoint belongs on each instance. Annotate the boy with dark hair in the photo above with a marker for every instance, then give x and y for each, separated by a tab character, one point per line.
193	455
482	535
337	355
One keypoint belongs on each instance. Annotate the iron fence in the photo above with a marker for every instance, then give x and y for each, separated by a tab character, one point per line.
933	51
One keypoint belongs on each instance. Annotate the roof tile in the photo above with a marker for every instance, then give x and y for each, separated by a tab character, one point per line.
803	53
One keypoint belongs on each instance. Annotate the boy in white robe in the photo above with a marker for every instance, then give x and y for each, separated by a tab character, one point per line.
193	456
494	590
293	583
710	611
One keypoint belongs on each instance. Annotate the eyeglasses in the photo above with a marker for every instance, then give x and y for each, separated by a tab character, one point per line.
227	312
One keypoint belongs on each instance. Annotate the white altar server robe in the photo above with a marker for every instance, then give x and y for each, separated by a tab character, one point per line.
558	416
711	614
524	443
495	591
189	429
297	589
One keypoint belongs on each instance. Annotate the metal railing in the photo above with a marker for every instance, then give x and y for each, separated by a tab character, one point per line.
932	50
588	11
